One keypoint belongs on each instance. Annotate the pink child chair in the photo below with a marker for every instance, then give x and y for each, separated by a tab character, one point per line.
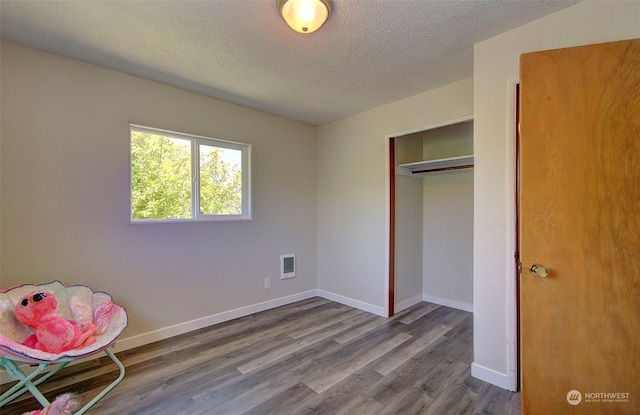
78	303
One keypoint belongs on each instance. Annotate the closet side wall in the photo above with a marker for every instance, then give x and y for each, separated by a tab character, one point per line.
409	248
448	220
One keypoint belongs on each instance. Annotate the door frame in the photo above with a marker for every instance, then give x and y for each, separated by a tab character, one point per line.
513	291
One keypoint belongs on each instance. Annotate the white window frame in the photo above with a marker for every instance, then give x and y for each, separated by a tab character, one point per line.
196	141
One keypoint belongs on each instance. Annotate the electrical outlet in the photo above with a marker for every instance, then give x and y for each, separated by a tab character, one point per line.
267	283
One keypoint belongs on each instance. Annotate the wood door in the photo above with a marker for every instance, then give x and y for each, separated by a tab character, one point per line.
580	218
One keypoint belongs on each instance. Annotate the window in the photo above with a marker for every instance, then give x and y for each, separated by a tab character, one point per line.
181	177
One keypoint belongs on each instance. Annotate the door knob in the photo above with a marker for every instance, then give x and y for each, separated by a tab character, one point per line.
538	270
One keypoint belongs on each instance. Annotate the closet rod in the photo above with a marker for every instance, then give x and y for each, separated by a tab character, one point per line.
467	166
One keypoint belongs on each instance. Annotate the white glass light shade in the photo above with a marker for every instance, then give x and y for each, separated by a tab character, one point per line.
304	16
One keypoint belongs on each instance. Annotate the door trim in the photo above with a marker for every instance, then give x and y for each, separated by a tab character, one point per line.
513	361
391	284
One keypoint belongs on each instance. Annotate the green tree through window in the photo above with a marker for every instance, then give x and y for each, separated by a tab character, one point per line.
164	177
220	181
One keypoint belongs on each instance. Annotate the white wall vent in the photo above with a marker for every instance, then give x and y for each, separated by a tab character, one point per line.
287	266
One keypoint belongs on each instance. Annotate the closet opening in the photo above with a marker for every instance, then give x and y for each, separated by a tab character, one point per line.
431	216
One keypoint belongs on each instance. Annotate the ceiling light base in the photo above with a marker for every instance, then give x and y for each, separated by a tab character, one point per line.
305	16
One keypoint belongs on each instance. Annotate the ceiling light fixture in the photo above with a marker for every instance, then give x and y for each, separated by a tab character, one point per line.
304	16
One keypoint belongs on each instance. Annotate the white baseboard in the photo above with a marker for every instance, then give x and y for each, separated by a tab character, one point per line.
370	308
490	375
188	326
402	305
448	303
181	328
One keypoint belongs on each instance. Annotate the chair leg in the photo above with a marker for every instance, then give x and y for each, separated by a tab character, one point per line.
27	382
30	382
106	390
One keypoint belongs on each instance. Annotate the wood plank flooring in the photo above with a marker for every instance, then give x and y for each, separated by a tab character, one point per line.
311	357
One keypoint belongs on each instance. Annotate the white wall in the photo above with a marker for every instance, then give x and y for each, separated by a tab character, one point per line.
353	187
65	195
495	66
448	220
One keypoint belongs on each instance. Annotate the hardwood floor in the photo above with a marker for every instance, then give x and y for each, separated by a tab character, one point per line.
310	357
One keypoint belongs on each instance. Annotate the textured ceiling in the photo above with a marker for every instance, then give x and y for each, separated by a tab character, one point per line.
369	53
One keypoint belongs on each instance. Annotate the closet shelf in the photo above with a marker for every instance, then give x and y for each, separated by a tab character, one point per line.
429	166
